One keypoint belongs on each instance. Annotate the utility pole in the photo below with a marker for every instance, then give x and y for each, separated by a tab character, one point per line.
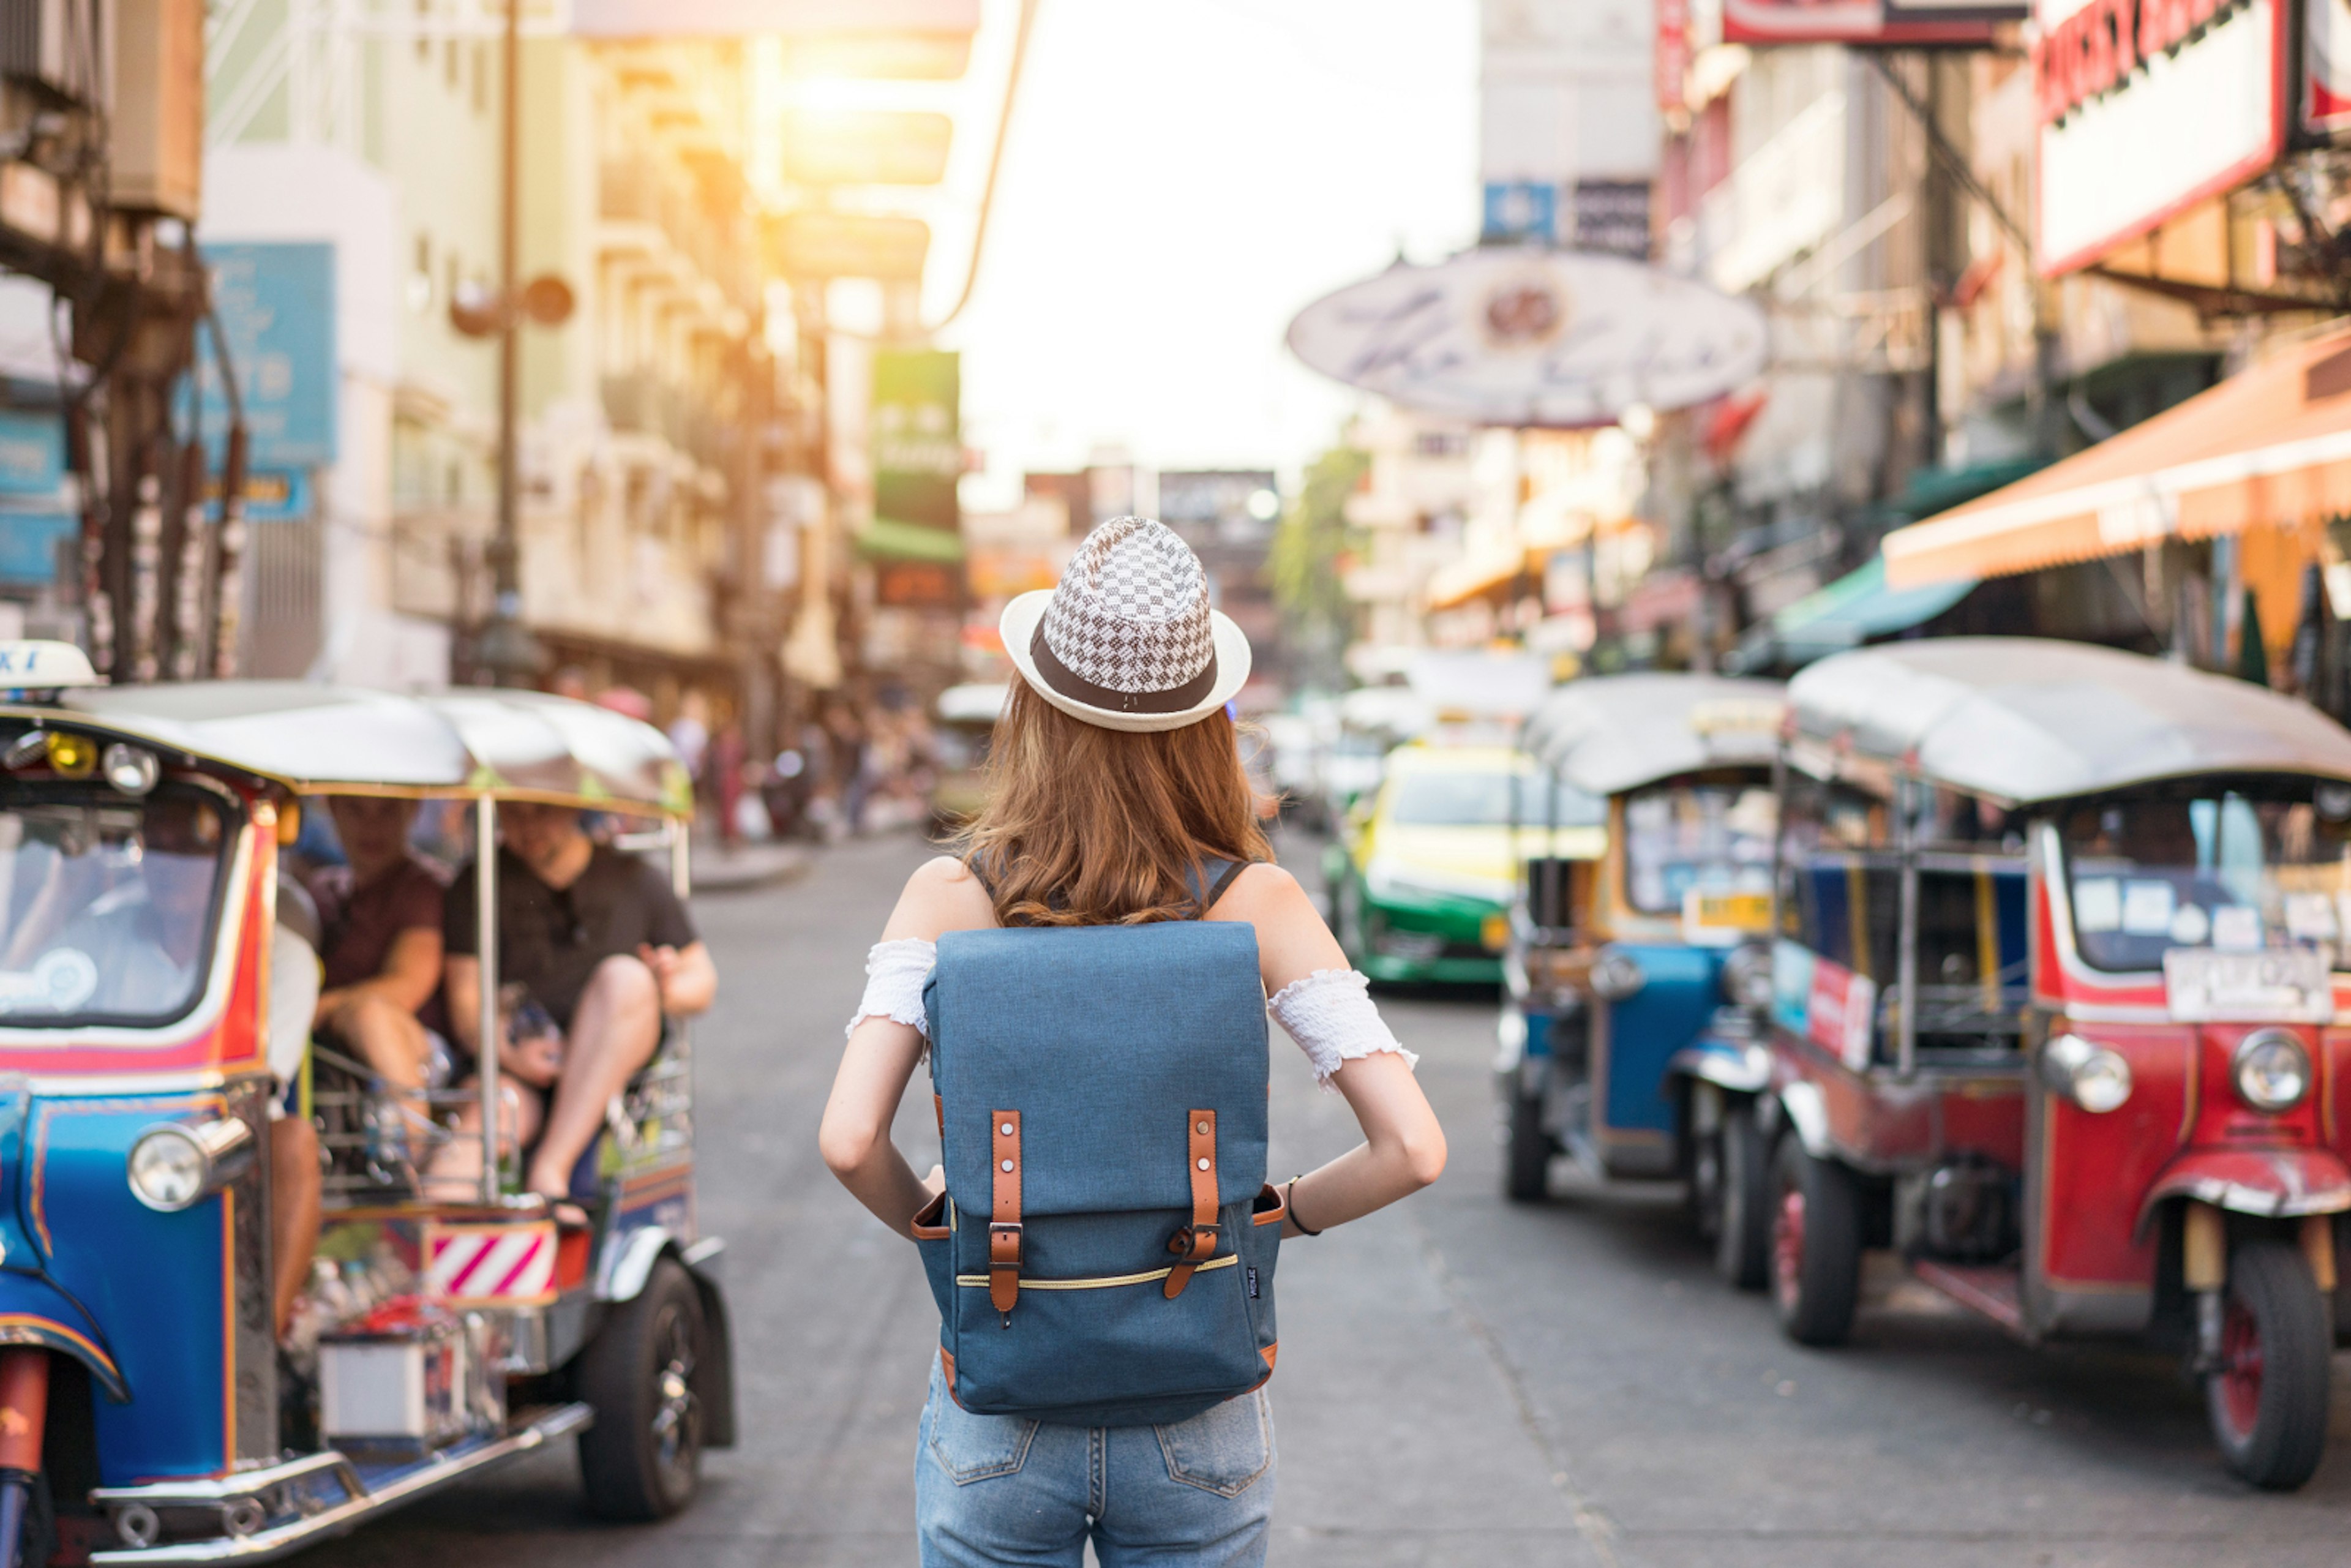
507	651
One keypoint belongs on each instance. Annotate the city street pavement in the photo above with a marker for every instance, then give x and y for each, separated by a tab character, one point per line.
1462	1381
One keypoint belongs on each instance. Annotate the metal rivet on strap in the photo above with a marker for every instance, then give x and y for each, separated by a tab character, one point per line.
1202	1129
1005	1129
1007	1165
1204	1163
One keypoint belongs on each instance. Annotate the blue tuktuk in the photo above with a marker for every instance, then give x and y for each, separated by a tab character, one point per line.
1629	1031
149	1411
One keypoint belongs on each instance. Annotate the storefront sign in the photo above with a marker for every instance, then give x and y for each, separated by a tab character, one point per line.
918	439
1519	210
2147	107
1864	21
32	453
1531	339
1611	218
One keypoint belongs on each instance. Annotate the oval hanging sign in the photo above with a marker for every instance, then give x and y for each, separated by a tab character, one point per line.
1530	337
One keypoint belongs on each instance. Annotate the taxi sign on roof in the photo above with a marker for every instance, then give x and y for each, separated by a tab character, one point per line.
32	664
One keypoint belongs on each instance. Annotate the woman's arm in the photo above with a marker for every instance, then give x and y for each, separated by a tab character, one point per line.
1403	1146
883	1053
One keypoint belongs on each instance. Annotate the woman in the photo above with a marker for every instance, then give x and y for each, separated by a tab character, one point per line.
1115	781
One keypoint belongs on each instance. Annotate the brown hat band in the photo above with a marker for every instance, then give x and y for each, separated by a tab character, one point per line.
1077	688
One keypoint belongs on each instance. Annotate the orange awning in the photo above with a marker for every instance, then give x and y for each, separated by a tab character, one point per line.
2270	447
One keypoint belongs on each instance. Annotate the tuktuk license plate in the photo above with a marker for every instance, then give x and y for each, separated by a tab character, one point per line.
1724	919
2277	984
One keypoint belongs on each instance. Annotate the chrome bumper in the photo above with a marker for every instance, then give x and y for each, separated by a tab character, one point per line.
272	1542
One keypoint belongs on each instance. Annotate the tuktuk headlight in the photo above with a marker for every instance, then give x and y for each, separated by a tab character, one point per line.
1615	975
175	1165
2091	1076
131	770
2270	1071
1747	978
72	756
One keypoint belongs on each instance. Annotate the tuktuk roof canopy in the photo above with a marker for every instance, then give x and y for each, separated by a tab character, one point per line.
2269	447
320	739
1609	734
2026	719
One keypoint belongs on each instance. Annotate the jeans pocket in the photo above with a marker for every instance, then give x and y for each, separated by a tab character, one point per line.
1223	1450
971	1448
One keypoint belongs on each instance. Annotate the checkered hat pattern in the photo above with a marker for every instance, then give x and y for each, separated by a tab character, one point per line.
1130	614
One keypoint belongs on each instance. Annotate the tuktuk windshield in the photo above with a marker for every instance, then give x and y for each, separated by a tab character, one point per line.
106	903
1708	838
1470	799
2229	870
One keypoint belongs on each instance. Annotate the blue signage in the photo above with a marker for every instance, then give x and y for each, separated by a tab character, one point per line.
28	544
1521	210
32	453
276	306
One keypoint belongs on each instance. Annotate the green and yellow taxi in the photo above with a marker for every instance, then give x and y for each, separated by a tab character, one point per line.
1423	873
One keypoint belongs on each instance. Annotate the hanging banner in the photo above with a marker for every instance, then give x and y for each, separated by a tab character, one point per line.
277	306
1533	339
1865	22
2326	67
918	448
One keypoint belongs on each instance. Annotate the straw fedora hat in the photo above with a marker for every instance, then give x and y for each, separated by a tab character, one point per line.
1127	641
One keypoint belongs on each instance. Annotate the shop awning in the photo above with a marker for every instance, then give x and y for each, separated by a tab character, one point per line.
2270	447
1855	609
1474	576
885	540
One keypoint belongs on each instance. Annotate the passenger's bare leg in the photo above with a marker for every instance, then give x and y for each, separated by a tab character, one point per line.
293	1183
615	1030
455	1173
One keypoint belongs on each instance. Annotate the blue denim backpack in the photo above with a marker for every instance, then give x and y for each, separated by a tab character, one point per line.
1104	1253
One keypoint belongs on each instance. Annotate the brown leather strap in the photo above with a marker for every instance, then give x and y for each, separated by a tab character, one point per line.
1197	1242
939	1110
1004	1223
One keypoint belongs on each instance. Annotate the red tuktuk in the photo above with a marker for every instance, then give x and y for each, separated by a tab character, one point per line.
2119	892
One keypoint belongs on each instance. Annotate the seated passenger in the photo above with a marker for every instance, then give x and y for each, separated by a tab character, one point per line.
295	1181
596	937
381	948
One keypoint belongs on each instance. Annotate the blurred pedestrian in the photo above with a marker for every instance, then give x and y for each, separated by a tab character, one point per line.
1117	799
726	759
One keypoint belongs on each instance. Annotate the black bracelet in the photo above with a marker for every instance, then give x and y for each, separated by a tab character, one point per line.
1290	1202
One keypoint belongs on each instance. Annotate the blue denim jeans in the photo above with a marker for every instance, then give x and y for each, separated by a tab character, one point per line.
994	1491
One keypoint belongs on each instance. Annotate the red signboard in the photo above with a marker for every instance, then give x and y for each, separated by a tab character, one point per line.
1673	53
1862	23
917	585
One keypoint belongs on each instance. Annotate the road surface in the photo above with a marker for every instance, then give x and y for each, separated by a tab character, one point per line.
1462	1381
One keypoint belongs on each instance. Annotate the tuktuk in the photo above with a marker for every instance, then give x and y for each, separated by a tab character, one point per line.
148	1412
2058	1001
1630	1035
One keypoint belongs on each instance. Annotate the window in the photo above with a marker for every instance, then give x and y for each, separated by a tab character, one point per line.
1479	800
106	902
2236	871
1707	838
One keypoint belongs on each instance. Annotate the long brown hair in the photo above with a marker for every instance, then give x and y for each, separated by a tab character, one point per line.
1087	826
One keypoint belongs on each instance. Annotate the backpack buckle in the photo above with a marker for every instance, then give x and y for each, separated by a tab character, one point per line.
1193	1242
1004	1246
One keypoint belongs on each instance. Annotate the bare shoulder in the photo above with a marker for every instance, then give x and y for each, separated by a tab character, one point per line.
1260	889
941	896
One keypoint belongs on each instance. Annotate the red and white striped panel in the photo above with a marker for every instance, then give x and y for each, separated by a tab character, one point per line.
491	1265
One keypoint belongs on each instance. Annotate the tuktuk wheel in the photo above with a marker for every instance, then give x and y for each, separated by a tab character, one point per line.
2268	1394
1816	1245
1526	1144
1742	1224
642	1459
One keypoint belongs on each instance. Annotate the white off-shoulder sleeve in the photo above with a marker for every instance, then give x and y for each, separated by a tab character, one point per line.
895	976
1330	1015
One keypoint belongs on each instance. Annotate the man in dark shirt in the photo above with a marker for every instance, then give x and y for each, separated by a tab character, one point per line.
597	937
382	949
